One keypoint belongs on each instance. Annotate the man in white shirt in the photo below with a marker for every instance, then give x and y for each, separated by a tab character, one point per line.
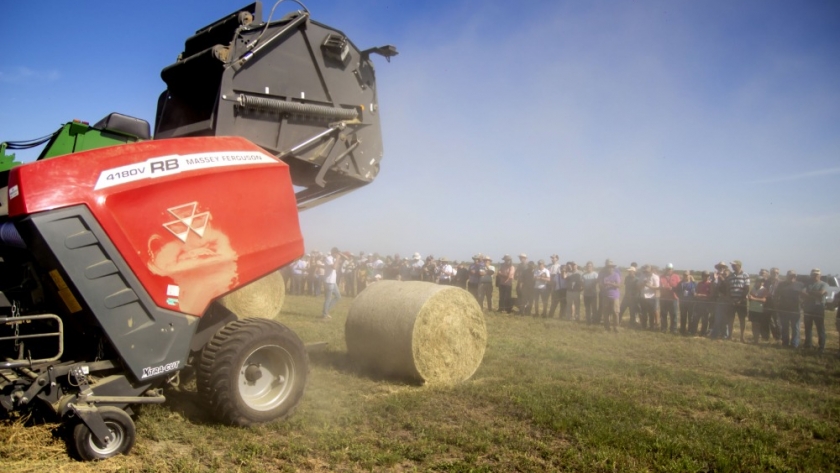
541	279
649	282
554	287
331	294
446	272
298	272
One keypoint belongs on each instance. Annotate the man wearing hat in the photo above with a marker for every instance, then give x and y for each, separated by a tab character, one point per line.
737	288
610	291
417	267
813	305
475	276
485	285
630	301
505	278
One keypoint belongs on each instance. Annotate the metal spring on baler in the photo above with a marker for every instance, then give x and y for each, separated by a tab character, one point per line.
263	103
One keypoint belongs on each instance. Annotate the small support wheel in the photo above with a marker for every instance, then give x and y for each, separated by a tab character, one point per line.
251	371
120	441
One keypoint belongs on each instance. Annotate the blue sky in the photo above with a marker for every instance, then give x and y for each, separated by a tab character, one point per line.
649	131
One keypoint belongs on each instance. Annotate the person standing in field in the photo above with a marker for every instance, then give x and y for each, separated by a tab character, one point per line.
554	270
574	286
590	293
721	328
476	268
772	284
446	272
837	315
505	276
485	286
788	306
332	263
630	301
668	299
560	290
349	269
298	274
649	288
813	305
610	293
756	300
686	291
522	268
703	306
542	277
417	267
526	298
738	287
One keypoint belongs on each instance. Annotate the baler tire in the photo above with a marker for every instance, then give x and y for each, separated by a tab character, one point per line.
235	361
120	425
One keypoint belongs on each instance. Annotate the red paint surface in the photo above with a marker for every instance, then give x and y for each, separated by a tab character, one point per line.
252	227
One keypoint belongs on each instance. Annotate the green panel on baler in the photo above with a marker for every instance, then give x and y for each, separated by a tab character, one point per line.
74	137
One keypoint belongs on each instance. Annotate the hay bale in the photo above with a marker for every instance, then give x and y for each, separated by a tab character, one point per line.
416	330
262	298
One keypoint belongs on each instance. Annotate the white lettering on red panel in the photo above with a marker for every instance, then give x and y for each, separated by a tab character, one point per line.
174	164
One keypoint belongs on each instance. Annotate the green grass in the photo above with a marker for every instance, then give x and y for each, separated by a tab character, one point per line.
550	395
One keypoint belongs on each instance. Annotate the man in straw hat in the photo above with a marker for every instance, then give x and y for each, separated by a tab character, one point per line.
738	288
485	285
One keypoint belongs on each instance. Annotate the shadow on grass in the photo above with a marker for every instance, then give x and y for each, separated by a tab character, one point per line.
188	404
807	369
340	361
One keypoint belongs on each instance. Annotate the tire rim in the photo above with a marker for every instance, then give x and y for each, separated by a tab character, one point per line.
117	433
276	374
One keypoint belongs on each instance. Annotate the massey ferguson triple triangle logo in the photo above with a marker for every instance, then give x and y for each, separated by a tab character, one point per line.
187	221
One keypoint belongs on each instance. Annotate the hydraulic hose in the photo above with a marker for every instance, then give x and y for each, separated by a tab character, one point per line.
9	236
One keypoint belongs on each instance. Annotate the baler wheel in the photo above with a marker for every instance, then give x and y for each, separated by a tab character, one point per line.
122	436
253	370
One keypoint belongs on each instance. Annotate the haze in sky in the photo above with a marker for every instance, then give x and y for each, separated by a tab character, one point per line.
648	131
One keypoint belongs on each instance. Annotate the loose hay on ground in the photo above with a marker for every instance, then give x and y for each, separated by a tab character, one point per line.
262	298
416	330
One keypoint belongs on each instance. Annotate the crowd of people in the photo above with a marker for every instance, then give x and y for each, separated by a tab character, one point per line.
706	304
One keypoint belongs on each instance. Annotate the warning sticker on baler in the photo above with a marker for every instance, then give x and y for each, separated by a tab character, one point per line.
173	164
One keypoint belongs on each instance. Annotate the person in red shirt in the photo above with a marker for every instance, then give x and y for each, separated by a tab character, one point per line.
668	300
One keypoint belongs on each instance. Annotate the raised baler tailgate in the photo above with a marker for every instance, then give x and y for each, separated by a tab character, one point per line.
194	218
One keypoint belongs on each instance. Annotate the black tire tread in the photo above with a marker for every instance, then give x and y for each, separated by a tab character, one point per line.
81	434
217	361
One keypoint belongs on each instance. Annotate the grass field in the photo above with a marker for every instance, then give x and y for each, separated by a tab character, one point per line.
550	396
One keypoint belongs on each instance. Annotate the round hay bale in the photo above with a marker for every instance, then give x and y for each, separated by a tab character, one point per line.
262	298
416	330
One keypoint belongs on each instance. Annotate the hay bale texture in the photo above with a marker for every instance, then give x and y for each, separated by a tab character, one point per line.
416	330
262	298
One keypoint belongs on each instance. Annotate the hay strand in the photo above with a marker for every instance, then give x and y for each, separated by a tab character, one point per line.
262	298
416	330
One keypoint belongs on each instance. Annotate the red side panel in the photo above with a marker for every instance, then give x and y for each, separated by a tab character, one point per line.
194	218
